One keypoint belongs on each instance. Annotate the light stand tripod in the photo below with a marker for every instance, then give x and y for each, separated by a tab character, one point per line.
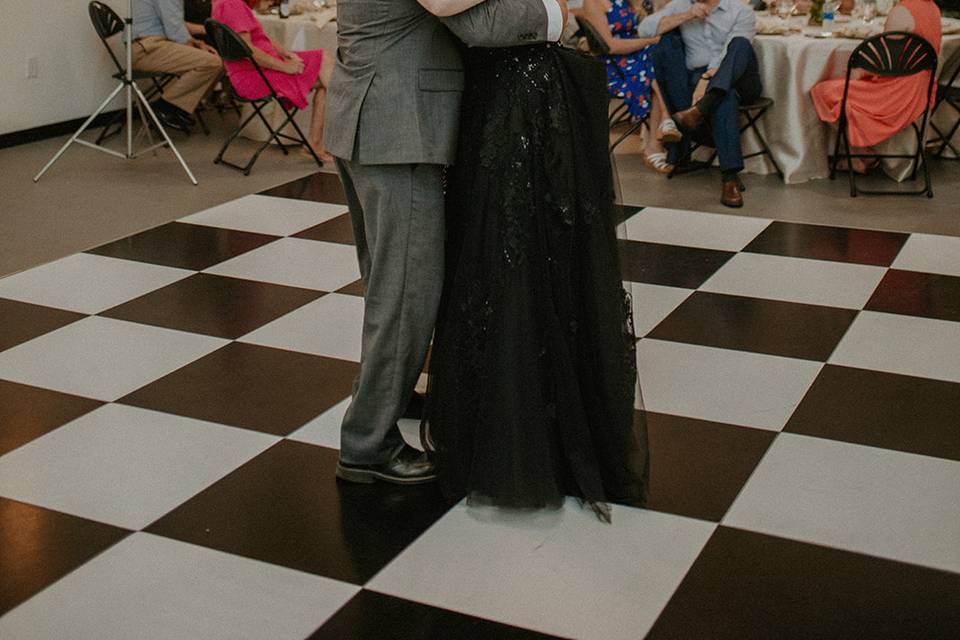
143	106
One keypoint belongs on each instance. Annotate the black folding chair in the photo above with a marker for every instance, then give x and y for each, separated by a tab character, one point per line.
231	47
597	47
889	54
108	24
750	113
948	93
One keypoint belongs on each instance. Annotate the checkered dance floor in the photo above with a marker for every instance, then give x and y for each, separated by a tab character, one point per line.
169	415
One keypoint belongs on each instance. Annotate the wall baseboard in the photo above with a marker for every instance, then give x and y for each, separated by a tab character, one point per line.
36	134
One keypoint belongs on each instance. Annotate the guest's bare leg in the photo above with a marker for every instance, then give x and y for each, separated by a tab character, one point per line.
656	116
319	107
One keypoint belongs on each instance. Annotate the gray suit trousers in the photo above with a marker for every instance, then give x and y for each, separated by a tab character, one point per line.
398	224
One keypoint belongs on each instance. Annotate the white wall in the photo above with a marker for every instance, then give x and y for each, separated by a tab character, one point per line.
74	69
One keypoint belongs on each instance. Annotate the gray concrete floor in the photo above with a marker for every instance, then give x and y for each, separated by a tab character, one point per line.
89	198
817	201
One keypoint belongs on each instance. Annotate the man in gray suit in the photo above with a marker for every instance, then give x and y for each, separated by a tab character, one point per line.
393	111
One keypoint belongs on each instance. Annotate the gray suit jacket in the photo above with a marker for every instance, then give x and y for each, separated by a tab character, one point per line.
395	93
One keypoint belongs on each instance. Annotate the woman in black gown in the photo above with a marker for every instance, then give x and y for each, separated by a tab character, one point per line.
533	370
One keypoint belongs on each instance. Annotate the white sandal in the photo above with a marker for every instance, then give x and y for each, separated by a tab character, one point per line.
668	131
658	162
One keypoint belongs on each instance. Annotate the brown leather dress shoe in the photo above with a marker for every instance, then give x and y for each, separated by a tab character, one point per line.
689	120
731	195
410	466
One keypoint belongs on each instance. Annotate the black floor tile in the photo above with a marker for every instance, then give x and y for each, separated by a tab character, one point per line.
259	388
22	321
319	187
39	546
885	410
214	305
669	265
697	468
355	288
186	246
375	616
286	507
829	243
26	413
911	293
773	327
339	230
750	585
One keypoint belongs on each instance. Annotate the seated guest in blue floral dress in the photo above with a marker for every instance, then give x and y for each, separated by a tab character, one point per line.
630	71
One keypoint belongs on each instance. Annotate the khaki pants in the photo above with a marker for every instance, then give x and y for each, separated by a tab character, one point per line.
198	70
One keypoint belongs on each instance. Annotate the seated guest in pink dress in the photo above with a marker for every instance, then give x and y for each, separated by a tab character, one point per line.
878	107
293	74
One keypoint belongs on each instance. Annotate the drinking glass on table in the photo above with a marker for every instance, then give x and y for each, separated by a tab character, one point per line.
785	9
869	10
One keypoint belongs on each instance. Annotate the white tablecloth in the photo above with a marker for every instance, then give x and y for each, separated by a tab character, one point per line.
301	32
297	33
790	65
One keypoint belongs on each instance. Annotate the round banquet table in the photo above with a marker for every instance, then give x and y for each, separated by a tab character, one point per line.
302	32
790	65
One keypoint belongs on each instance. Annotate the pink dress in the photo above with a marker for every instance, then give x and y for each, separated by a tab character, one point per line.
879	107
244	77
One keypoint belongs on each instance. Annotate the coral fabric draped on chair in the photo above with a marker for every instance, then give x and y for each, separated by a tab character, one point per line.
878	107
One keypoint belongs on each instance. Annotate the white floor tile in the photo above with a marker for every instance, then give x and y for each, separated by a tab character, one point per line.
154	588
930	254
652	303
103	358
560	572
295	262
722	385
694	228
87	283
330	326
125	466
267	214
885	503
324	430
833	284
902	344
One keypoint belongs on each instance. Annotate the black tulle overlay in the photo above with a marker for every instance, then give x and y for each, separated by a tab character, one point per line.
533	370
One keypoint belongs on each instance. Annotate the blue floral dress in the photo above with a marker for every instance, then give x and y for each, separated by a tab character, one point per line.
629	76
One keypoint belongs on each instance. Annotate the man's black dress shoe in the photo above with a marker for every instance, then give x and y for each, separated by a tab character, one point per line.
410	466
171	120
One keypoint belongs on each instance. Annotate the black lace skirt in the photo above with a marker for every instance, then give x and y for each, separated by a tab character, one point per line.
533	370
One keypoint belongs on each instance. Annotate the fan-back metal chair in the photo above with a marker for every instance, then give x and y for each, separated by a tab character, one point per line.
108	24
888	54
231	47
948	93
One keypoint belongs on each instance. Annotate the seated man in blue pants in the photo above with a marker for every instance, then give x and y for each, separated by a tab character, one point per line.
705	66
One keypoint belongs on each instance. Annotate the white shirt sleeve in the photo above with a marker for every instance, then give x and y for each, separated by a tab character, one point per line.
554	20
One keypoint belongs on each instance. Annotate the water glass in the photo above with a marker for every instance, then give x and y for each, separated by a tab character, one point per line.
785	9
869	10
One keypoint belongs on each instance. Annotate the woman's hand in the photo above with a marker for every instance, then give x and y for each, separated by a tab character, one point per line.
292	65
